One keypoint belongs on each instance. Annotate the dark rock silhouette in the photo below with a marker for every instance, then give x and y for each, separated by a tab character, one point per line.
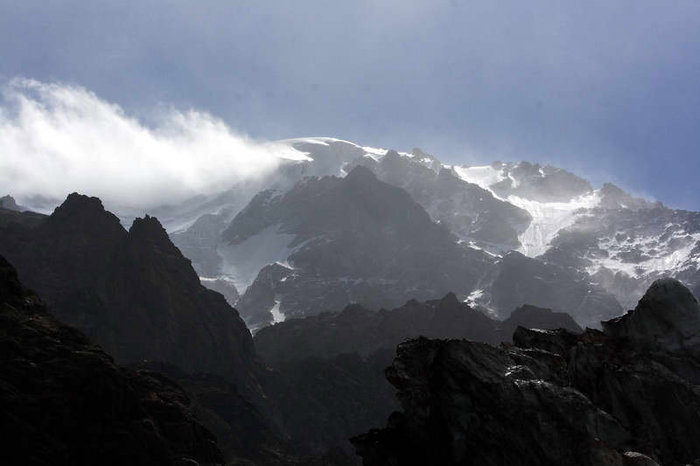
64	401
131	291
555	398
667	315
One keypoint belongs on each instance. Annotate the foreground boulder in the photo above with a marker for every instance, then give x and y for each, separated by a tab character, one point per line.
63	401
668	315
619	397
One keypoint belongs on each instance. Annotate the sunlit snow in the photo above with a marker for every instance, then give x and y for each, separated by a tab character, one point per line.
547	219
483	176
277	315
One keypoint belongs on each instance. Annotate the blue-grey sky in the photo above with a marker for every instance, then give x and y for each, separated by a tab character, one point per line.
610	89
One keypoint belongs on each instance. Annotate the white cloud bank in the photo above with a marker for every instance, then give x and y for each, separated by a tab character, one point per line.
56	139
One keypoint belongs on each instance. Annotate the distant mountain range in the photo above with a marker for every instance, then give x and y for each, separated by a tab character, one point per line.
329	227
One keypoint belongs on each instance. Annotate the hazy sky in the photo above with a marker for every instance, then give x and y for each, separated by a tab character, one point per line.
610	89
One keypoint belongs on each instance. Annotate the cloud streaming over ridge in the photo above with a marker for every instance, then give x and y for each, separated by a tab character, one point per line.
56	139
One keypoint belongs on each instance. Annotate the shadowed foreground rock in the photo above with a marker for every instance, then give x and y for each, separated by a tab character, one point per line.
63	401
132	292
554	398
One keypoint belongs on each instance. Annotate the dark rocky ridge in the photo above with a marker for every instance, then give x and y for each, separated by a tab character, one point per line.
667	315
359	330
555	398
132	292
64	401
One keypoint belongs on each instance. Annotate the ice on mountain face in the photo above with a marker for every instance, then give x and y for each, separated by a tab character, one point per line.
647	255
473	298
483	176
547	219
277	315
243	261
375	152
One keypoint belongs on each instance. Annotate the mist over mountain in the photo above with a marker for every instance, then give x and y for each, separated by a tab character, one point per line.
100	149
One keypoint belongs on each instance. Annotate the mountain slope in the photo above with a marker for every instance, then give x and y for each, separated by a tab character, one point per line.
358	240
469	211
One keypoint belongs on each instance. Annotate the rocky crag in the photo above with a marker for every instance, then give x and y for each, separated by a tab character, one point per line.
130	291
627	395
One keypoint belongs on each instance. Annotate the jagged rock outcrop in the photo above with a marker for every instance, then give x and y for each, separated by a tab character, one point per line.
131	291
63	401
668	315
555	398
